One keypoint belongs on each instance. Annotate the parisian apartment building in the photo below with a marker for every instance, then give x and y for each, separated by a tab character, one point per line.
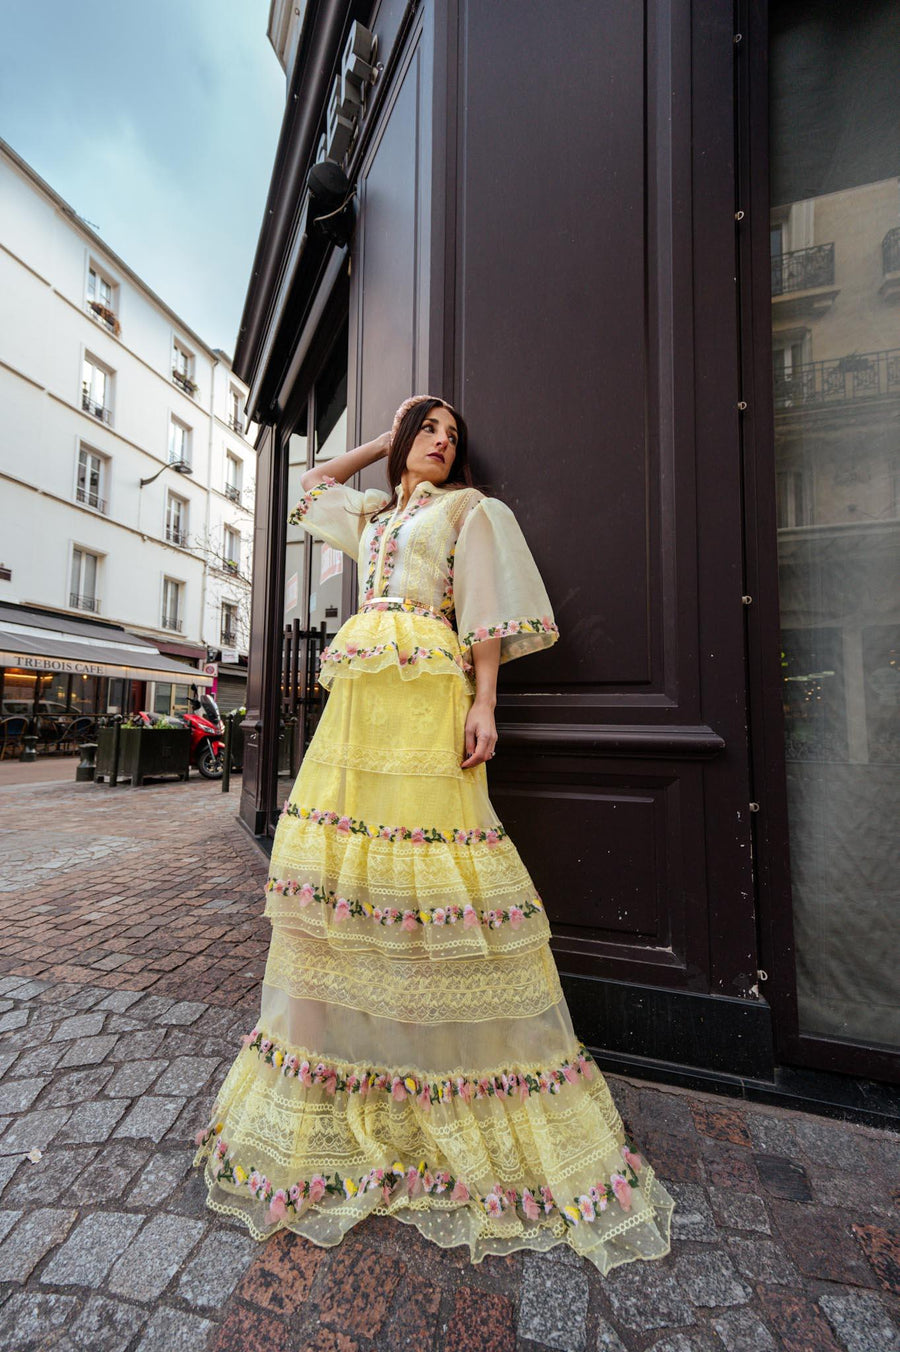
126	466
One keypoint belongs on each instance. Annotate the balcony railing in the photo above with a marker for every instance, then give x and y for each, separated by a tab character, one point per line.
236	423
182	379
90	405
890	250
176	536
171	622
91	499
803	269
78	602
106	316
233	492
228	638
231	565
850	379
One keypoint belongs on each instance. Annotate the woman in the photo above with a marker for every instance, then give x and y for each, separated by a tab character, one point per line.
414	1054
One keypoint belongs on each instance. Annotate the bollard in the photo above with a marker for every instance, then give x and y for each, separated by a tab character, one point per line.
86	767
29	742
226	754
113	779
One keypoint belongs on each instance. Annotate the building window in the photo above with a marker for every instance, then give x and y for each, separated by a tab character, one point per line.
231	554
96	390
179	443
233	468
101	299
235	410
172	604
91	488
183	369
176	520
85	571
228	631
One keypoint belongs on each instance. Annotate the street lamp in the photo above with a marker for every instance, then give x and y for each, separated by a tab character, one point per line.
179	466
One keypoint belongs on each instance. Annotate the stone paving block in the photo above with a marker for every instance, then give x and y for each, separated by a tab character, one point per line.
820	1242
835	1144
186	1075
91	1249
35	1061
282	1273
692	1217
92	1121
9	1164
761	1260
108	1175
216	1268
76	1086
861	1322
607	1338
855	1194
36	1234
164	1172
135	1078
669	1113
33	1130
412	1325
797	1325
250	1331
106	1325
882	1248
7	1221
686	1342
46	1180
29	1321
151	1116
89	1051
721	1122
740	1330
727	1166
9	983
79	1026
481	1322
185	1011
373	1284
709	1279
119	1001
553	1304
138	1046
17	1095
153	1006
153	1258
771	1133
6	1060
739	1210
674	1157
176	1331
646	1296
13	1019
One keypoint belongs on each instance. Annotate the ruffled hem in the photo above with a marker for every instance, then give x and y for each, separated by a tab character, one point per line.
415	643
606	1203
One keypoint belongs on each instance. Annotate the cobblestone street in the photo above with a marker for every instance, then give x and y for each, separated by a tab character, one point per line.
132	948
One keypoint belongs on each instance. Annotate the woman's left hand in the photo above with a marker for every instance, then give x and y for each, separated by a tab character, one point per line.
481	735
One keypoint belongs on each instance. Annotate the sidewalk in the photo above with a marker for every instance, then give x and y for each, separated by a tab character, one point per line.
131	950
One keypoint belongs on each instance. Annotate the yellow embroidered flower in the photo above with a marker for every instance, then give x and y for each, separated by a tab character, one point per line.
410	1084
240	1176
350	1187
572	1212
277	1058
368	907
397	1167
425	917
422	1166
304	812
218	1127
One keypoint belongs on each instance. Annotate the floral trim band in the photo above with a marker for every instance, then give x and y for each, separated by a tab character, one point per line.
308	498
508	1084
350	651
390	545
545	625
419	835
409	919
406	606
419	1179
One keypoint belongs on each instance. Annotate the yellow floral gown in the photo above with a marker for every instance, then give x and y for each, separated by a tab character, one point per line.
414	1054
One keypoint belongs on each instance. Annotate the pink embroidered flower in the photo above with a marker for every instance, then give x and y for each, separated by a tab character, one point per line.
351	649
530	1206
513	626
441	1180
460	1192
343	824
409	920
220	1149
428	1180
439	915
341	909
391	915
352	1082
470	916
316	1188
570	1073
248	1038
306	894
377	915
418	836
413	1180
547	1198
278	1209
622	1189
385	833
200	1138
493	1205
296	1192
516	916
390	548
424	1098
631	1158
278	885
492	838
305	1074
315	815
496	919
523	1088
402	658
585	1066
265	1045
481	632
460	837
398	1089
586	1207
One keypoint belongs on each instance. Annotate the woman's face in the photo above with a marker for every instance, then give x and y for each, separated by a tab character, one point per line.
434	448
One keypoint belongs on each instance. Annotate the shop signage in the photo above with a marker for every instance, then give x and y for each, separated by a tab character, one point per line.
332	563
347	95
29	662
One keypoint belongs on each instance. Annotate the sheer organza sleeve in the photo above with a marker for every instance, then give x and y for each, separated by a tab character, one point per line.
337	513
497	589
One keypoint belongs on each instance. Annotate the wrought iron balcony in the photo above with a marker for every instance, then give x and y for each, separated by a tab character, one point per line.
176	536
228	638
105	315
78	602
854	378
90	405
803	269
171	622
890	250
231	565
91	499
233	492
236	423
182	379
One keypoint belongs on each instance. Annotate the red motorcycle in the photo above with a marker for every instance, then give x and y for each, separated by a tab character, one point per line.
207	734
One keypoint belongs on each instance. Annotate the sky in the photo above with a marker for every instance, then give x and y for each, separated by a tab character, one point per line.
157	123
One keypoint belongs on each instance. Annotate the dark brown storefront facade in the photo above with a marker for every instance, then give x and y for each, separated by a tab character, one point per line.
599	229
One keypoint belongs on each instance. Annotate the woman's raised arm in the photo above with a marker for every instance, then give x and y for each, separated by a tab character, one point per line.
343	467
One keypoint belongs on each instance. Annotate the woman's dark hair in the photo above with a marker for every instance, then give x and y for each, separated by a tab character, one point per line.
407	431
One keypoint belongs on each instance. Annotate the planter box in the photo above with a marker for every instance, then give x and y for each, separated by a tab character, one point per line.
144	753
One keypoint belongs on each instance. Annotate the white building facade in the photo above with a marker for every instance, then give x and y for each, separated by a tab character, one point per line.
127	474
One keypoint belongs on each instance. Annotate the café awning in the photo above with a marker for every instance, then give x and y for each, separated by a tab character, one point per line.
33	642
